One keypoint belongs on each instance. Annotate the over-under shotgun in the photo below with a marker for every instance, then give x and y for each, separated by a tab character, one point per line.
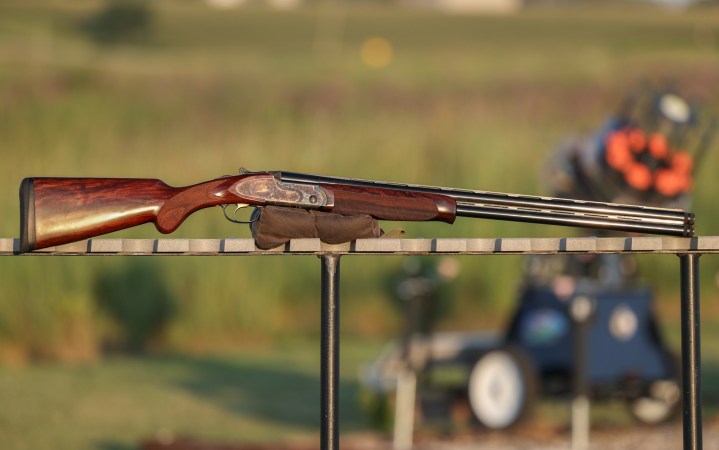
57	211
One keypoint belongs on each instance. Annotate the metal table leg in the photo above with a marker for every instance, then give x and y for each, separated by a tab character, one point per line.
581	311
330	353
691	352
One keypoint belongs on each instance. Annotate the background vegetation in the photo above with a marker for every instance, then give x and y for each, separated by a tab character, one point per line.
195	93
468	101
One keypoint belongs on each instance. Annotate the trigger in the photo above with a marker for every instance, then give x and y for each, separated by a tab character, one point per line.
238	207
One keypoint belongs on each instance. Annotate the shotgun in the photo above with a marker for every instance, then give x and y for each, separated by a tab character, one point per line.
56	211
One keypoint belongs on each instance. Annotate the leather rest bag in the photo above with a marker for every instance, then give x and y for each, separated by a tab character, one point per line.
275	226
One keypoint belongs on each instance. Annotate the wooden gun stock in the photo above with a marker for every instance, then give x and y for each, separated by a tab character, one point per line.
57	211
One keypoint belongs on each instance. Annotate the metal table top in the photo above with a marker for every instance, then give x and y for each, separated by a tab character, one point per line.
484	246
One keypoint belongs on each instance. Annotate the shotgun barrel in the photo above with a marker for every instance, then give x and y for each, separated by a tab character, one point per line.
535	209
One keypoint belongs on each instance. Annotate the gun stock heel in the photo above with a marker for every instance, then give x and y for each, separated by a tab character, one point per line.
27	215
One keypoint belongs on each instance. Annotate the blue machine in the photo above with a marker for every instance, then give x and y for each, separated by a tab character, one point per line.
613	351
623	352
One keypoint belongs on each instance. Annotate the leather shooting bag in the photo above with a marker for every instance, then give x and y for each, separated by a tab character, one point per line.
273	226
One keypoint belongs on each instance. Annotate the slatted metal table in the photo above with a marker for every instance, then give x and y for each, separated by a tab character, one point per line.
688	249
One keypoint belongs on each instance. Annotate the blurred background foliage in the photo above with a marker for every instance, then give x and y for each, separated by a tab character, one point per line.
120	22
184	92
137	301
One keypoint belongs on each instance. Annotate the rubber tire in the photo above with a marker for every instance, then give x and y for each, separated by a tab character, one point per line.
662	404
502	388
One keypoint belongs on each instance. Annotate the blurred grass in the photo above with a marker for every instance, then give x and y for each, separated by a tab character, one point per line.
468	101
239	397
243	396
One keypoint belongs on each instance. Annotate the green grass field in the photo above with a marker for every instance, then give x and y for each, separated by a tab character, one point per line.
247	396
267	394
466	101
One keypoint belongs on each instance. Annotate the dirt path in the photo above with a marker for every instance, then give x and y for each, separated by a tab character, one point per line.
611	438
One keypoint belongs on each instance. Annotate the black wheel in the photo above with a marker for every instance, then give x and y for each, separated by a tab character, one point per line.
501	388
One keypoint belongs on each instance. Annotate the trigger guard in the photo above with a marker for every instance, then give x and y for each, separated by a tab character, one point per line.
253	217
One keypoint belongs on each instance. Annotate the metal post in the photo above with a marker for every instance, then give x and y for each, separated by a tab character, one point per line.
330	353
405	398
691	352
581	310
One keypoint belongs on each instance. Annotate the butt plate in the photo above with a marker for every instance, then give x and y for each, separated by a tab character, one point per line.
27	215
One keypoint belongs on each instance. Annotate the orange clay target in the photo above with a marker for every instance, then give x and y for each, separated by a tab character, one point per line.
649	162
